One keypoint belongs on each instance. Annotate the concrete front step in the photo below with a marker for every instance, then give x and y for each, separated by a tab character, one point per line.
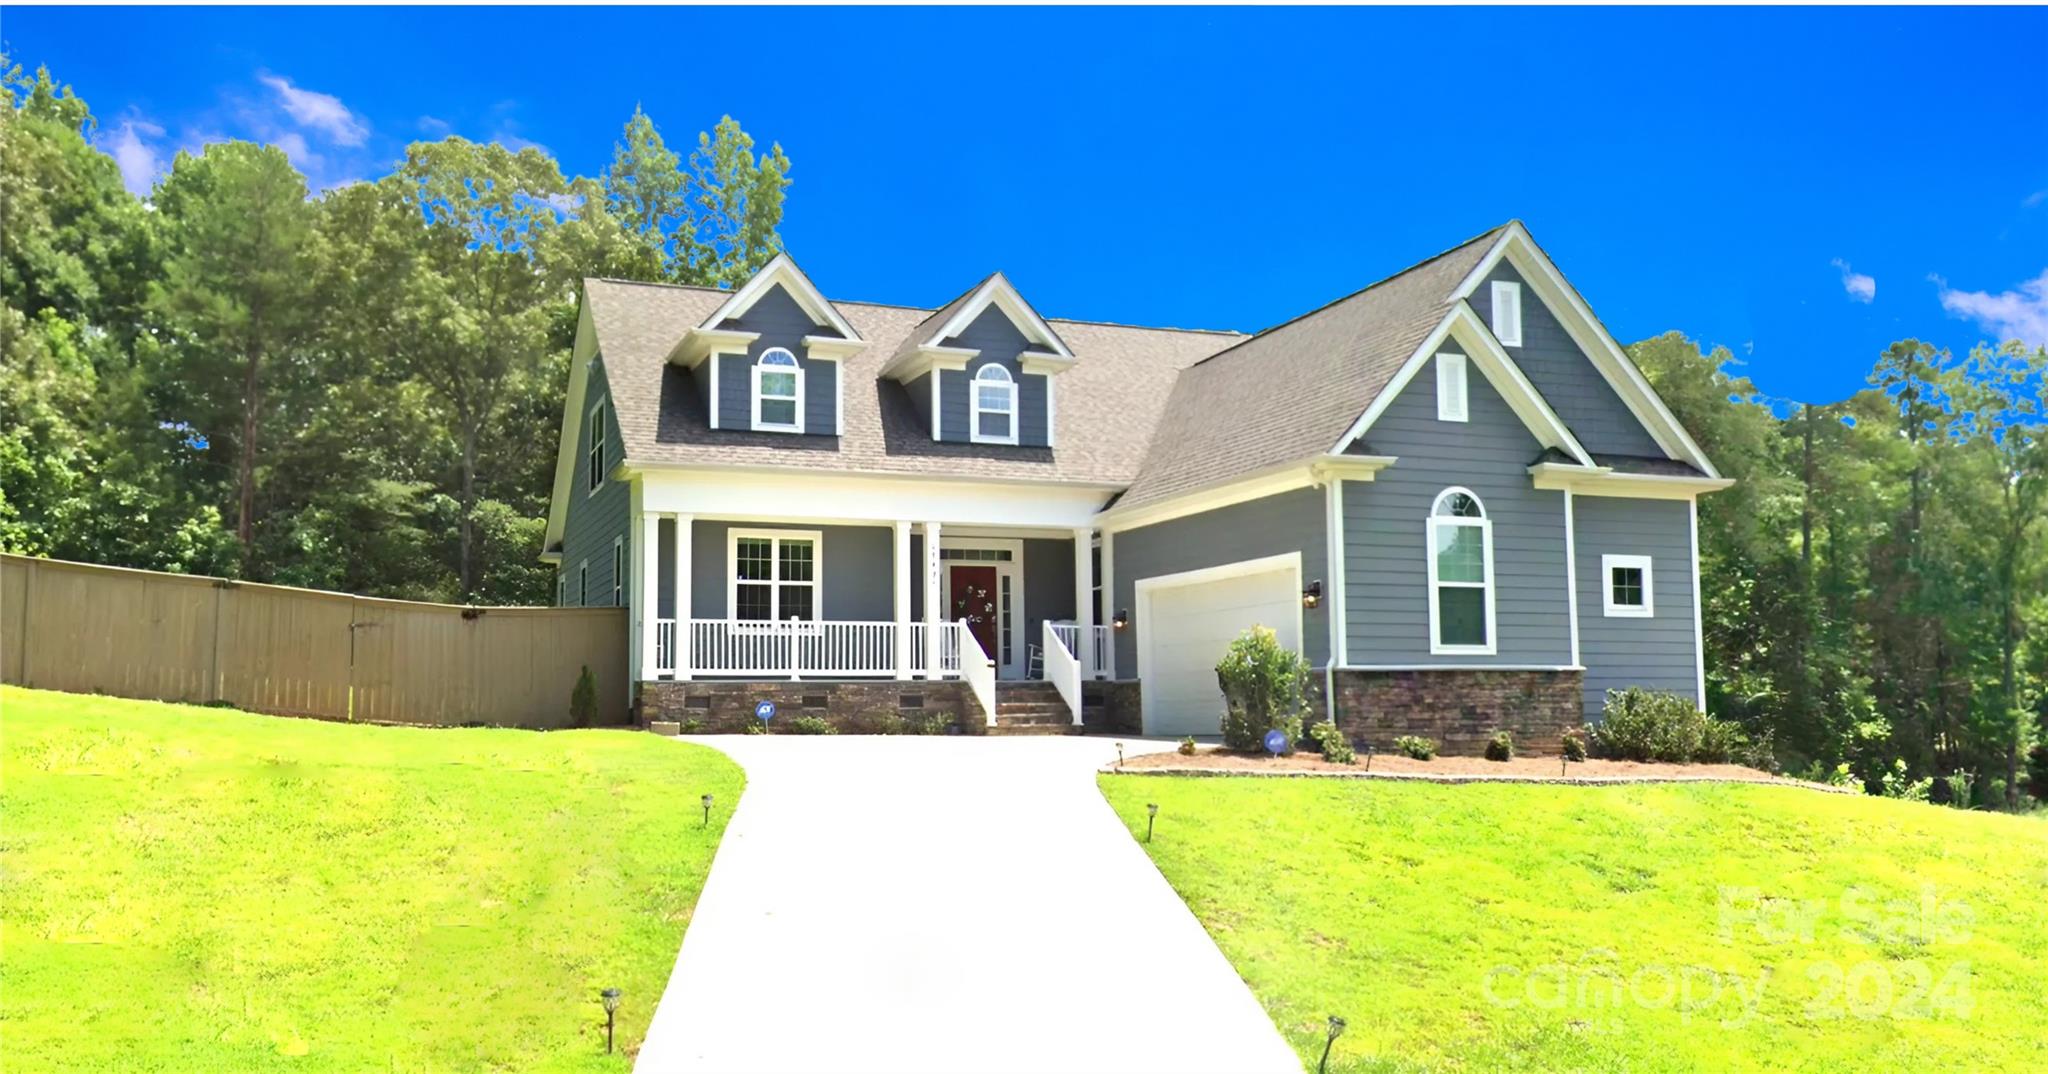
1034	729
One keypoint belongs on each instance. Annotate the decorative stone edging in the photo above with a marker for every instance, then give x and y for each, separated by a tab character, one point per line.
1454	778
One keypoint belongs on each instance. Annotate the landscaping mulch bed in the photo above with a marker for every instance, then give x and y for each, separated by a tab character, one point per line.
1216	761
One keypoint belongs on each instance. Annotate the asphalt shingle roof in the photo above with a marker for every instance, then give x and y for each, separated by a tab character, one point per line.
1109	401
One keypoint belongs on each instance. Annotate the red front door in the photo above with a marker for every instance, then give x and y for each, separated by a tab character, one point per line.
974	599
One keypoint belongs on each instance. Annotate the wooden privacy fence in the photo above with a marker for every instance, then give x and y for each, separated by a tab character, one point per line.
301	652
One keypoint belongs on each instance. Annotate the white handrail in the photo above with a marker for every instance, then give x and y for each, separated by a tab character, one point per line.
1062	669
664	645
976	668
848	648
1095	657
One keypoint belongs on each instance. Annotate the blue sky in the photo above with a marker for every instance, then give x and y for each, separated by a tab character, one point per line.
1803	186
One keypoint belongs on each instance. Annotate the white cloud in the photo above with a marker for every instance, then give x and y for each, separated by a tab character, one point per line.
2036	198
140	162
515	143
1861	288
2020	314
322	112
434	125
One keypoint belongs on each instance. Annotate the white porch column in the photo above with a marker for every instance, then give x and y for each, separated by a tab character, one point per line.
933	616
683	559
1084	601
901	574
649	561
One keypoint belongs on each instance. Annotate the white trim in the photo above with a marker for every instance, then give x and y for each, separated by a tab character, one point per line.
581	354
1109	609
1500	371
899	576
919	361
782	270
1453	387
1604	481
583	583
832	348
1608	564
1484	524
974	409
686	544
1506	295
795	369
1699	641
1009	663
938	412
865	498
999	291
1141	619
1461	667
1564	301
1283	478
1571	570
715	363
699	344
594	450
619	569
1051	412
775	581
1333	588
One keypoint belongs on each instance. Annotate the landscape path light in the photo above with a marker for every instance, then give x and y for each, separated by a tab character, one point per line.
707	811
1336	1030
611	1007
1151	814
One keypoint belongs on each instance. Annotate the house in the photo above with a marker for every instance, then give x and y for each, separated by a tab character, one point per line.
1451	491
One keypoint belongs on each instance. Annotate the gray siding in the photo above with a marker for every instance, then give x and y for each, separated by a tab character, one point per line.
1386	592
1275	525
999	343
1656	652
1048	584
782	323
920	391
854	571
593	519
1567	379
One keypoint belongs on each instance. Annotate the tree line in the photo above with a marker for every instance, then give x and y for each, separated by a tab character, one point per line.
360	390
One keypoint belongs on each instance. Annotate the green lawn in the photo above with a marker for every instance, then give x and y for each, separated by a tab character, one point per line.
193	889
1647	928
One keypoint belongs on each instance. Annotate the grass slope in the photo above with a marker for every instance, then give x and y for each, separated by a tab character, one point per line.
1647	928
194	889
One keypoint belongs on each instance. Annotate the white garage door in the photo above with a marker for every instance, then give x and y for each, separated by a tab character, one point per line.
1186	626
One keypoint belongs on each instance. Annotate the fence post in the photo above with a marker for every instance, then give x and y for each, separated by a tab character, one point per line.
28	611
213	671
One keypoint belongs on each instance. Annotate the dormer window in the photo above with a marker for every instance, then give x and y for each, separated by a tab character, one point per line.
778	392
995	406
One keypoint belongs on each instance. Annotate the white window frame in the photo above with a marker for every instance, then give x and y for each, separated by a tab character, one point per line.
796	369
1507	298
594	447
775	582
1008	383
583	584
619	571
1608	565
1484	524
1453	388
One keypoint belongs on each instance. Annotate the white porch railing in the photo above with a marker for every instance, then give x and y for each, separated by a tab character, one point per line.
977	669
1062	669
836	649
949	648
1095	657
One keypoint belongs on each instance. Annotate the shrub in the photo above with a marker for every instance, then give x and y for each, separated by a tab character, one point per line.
1415	746
757	727
1187	746
1263	686
692	725
890	723
1574	745
1648	725
1335	743
931	723
1721	742
2037	772
1501	747
812	725
583	700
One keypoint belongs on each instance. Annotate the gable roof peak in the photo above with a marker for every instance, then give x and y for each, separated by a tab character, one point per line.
782	270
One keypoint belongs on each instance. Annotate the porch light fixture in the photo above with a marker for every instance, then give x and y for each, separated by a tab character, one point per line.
1151	814
611	1007
1336	1030
707	811
1313	595
1122	620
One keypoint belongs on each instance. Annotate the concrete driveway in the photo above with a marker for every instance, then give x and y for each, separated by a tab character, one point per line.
944	904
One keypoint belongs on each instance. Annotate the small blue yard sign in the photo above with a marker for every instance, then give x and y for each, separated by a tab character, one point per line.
1276	742
764	711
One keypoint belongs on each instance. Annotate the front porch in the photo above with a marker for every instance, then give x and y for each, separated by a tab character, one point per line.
803	601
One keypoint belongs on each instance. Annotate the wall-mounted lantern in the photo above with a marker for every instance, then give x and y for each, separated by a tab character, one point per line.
1313	595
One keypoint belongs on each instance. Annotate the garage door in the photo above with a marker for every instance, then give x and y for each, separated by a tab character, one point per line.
1186	627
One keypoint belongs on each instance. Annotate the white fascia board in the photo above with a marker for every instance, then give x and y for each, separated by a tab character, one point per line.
999	290
1274	480
700	343
1592	337
832	348
580	355
916	363
785	495
1394	388
1604	481
1044	364
782	270
1521	396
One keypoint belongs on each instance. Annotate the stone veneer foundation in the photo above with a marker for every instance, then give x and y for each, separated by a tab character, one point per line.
713	707
1459	709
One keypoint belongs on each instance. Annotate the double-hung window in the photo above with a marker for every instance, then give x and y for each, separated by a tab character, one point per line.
595	436
1460	575
774	575
995	406
1628	593
778	392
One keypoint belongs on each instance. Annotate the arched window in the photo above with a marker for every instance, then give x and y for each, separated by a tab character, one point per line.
778	392
1460	575
995	406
